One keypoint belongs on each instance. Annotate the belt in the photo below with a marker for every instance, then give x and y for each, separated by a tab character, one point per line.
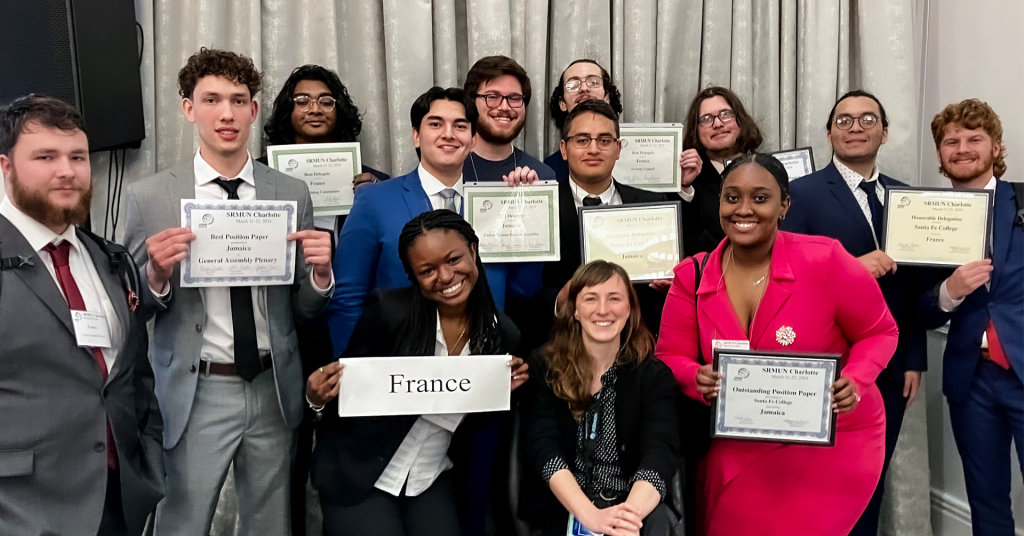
228	369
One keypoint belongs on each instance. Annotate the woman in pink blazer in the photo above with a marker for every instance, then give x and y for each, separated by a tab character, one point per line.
781	292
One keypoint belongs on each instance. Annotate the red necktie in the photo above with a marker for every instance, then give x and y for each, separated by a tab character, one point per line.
59	254
995	350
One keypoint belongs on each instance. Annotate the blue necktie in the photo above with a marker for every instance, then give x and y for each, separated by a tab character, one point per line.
875	206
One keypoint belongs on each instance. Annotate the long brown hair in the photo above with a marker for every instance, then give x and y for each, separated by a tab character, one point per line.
750	136
570	368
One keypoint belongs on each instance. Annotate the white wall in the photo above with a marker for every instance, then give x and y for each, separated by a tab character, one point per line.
968	49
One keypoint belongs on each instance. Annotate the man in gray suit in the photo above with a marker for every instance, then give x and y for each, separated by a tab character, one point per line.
79	423
226	360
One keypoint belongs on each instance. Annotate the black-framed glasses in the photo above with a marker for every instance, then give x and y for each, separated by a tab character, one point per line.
725	116
574	84
583	141
493	100
845	121
305	102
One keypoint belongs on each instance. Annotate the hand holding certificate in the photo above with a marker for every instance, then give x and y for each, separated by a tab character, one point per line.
937	226
517	224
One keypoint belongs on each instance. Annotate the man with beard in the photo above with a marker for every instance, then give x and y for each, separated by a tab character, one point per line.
80	448
844	201
501	91
983	365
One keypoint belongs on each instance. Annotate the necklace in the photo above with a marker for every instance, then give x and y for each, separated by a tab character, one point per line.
457	341
476	174
759	281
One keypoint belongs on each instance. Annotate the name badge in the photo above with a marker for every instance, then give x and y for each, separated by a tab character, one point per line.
576	528
91	329
721	344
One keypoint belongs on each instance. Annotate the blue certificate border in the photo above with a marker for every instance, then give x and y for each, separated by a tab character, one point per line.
826	436
187	276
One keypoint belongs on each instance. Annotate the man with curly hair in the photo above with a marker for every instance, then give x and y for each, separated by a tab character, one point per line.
226	360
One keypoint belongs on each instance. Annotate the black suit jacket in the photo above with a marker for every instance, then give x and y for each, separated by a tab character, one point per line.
646	429
702	228
822	204
352	452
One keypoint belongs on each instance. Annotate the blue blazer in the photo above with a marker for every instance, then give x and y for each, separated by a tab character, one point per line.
1003	303
822	204
367	255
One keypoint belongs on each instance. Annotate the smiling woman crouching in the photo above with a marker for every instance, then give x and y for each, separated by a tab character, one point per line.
599	417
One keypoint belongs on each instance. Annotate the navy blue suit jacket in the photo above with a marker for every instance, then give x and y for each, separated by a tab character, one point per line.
822	204
367	256
1003	303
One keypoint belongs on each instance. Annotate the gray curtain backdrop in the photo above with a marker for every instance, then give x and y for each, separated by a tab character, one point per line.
787	59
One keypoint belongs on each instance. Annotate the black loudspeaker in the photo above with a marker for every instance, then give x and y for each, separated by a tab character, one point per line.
85	52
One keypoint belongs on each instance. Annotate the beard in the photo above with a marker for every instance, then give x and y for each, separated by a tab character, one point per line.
984	163
36	205
486	133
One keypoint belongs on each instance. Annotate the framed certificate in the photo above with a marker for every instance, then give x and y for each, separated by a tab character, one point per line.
936	226
798	162
644	238
769	396
650	156
238	243
514	224
328	169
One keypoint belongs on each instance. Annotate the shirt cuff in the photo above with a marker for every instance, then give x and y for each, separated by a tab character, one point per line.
323	292
687	193
652	477
162	294
553	466
947	303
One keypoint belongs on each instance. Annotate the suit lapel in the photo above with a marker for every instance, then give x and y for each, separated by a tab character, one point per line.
714	301
1002	227
841	191
416	199
778	291
266	188
36	277
114	288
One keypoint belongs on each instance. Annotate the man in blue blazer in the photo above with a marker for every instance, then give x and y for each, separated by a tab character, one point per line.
367	258
983	301
844	201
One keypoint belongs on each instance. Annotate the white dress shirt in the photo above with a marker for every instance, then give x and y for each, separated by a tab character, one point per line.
432	186
423	454
86	277
608	197
853	180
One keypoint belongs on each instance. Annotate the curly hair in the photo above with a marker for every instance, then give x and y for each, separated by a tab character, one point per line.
210	61
570	368
47	111
972	114
750	137
614	96
279	129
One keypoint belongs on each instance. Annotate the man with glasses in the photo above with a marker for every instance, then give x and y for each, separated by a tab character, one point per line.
582	80
501	92
845	201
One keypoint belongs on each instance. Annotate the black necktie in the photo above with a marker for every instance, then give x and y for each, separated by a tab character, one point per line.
243	319
591	201
876	208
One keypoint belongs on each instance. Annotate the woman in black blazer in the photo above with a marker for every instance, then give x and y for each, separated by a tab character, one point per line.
394	475
600	423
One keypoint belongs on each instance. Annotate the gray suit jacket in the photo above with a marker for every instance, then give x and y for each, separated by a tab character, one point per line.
154	204
54	406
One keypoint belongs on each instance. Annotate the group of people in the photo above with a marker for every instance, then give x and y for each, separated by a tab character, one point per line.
608	378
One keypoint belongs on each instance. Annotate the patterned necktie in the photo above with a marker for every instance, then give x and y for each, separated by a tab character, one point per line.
60	255
875	206
591	201
243	317
448	195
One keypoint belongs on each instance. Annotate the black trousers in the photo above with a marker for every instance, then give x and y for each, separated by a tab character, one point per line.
895	406
431	513
657	523
112	523
316	351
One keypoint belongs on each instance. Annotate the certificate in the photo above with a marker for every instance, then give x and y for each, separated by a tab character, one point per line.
328	169
936	226
515	224
798	162
644	238
424	385
650	156
238	243
768	396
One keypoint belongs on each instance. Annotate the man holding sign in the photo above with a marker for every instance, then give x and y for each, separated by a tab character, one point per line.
226	361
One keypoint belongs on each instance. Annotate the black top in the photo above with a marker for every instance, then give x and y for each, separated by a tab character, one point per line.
645	437
558	165
702	228
352	452
479	169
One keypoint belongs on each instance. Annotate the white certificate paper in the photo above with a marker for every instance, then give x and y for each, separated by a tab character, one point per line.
642	238
424	385
515	224
650	156
937	226
327	168
238	243
798	162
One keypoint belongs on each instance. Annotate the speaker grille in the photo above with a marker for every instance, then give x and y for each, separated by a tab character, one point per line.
36	50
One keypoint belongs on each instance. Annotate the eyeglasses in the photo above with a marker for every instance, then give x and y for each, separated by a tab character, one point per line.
845	122
583	141
725	116
493	100
305	102
574	84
